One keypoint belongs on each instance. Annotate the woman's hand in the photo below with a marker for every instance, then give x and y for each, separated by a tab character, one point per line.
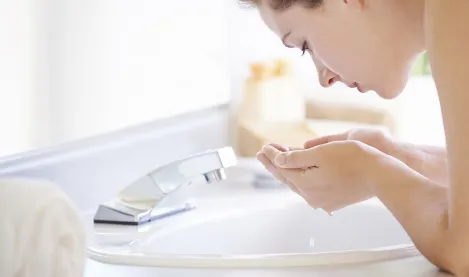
271	167
372	137
330	176
430	161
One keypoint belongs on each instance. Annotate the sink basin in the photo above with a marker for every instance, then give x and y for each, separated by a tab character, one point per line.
255	228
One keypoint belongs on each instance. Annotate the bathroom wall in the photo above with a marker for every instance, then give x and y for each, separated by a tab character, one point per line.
71	69
17	73
117	63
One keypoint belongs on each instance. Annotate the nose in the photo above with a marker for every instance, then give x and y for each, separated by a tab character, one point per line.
327	78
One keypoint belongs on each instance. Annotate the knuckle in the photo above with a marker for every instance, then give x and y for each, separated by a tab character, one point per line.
382	141
355	146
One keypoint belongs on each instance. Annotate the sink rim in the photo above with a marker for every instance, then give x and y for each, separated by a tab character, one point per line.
123	256
254	261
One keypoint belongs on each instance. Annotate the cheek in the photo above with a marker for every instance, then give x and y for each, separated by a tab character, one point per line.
365	63
343	60
338	49
340	54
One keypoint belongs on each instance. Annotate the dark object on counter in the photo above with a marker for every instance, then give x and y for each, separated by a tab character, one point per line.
266	181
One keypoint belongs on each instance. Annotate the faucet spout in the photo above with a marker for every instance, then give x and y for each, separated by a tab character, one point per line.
140	201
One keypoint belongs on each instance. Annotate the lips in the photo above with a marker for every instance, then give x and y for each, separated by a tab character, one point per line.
359	89
355	85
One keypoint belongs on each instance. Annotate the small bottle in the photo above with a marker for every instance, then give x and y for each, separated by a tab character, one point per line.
272	94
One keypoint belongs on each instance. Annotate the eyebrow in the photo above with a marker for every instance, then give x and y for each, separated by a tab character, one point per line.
284	38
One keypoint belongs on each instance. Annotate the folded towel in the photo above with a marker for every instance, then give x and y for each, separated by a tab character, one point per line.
41	233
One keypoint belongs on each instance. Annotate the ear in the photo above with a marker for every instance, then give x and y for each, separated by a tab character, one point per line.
355	4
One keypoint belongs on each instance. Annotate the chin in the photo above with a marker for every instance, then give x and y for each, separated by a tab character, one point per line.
391	87
389	94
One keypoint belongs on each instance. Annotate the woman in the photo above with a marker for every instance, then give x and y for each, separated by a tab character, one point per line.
371	45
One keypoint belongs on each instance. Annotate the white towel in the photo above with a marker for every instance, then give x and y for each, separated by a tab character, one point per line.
41	233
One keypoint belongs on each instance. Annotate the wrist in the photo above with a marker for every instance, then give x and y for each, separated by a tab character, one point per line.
382	168
376	169
405	153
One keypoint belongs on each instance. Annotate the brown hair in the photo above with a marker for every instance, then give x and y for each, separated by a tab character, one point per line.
282	4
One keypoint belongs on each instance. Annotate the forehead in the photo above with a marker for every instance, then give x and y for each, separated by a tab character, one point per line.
274	20
295	19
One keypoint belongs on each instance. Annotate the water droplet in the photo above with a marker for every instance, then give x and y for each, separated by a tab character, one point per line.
311	242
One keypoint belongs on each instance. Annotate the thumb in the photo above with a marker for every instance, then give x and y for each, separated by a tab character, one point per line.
295	159
325	139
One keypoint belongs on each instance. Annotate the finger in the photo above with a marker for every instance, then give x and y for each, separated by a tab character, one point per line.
271	152
325	139
271	167
297	159
279	147
293	174
276	173
266	162
284	148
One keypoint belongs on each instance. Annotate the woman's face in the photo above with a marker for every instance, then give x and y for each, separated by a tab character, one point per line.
370	45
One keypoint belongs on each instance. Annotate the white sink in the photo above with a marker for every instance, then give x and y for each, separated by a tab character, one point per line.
243	227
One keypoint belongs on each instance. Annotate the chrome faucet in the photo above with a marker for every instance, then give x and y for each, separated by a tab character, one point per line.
146	199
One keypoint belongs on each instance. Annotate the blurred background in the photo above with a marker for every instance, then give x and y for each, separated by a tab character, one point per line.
72	69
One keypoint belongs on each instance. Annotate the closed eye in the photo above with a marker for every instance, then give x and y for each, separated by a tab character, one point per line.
304	48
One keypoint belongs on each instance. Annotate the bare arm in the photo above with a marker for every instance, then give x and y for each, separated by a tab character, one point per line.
436	217
430	161
448	42
419	204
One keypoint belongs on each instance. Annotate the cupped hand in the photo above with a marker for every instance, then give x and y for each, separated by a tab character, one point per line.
330	176
271	167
